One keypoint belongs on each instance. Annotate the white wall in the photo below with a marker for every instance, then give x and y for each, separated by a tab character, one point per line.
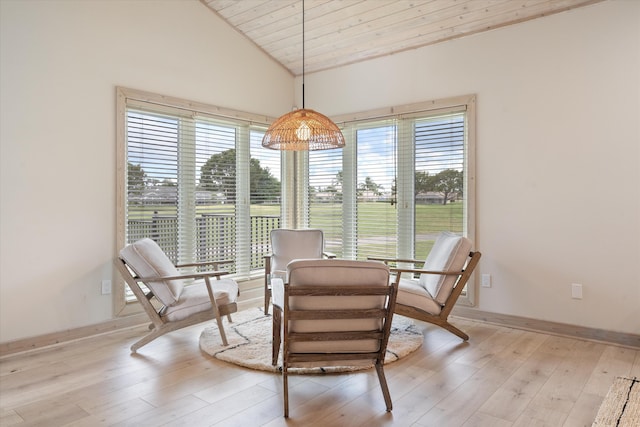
558	145
558	154
61	61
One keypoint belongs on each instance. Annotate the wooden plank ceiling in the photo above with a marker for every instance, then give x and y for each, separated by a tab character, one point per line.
340	32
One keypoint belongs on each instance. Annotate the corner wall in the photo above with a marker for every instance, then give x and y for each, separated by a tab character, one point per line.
558	150
558	154
60	64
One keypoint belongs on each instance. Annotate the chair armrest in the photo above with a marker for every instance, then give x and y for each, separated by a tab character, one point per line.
200	264
420	271
398	272
184	276
267	268
395	260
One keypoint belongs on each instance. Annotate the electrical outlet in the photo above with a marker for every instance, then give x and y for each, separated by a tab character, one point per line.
106	287
486	280
576	291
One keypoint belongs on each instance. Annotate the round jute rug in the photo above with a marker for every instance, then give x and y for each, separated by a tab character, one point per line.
249	338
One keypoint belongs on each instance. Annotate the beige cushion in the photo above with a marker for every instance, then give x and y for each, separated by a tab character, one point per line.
411	293
147	259
195	298
332	272
277	292
287	245
449	253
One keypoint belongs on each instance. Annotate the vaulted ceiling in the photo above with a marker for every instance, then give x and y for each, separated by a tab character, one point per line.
340	32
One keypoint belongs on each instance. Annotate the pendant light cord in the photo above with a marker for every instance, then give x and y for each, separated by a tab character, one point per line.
305	130
303	54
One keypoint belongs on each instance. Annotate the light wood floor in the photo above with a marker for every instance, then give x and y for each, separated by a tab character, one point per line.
501	377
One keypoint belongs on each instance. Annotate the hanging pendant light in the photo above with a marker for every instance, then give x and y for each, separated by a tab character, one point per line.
303	129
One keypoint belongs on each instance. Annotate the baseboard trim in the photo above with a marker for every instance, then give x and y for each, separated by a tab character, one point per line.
41	341
34	343
248	298
572	331
561	329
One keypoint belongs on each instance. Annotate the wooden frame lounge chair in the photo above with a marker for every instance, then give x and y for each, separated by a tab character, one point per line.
287	245
178	304
443	276
333	312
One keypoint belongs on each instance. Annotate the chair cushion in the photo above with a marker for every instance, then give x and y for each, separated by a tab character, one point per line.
147	259
411	293
449	253
195	298
277	292
287	245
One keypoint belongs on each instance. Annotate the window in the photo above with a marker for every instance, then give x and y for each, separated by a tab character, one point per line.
326	198
405	175
265	197
376	212
439	202
196	180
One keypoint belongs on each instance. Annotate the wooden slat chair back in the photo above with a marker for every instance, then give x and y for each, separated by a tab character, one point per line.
333	312
170	304
442	278
287	245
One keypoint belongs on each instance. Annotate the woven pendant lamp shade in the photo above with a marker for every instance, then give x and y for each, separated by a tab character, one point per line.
303	130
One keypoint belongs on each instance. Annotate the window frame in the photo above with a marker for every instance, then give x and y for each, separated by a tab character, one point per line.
295	165
125	98
406	150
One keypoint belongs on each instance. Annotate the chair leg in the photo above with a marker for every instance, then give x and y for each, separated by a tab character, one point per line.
449	327
383	385
267	297
275	337
216	312
223	335
155	333
285	385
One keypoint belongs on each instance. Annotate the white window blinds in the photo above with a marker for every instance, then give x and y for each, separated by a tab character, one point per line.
402	178
326	197
265	196
183	170
152	201
376	213
198	184
439	178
